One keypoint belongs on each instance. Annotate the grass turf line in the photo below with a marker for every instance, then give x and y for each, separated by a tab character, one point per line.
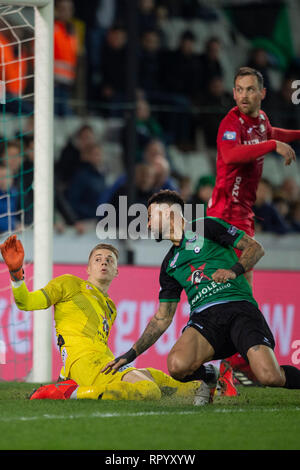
259	418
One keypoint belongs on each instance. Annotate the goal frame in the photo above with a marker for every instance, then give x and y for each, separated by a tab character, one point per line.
43	180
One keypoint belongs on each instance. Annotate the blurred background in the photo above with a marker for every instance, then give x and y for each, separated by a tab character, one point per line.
140	88
152	80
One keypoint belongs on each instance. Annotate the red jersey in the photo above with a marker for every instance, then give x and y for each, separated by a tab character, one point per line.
237	178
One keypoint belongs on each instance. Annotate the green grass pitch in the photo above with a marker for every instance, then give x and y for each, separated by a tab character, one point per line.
258	419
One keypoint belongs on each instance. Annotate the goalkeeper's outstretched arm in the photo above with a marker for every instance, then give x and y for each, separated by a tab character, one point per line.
13	254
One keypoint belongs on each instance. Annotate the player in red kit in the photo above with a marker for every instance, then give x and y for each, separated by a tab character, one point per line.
245	136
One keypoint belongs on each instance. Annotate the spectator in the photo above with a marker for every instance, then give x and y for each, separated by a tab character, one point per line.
162	174
147	127
12	158
87	184
14	69
203	191
144	183
8	200
268	219
185	188
150	63
210	63
154	147
113	69
11	154
281	204
182	70
215	105
294	216
147	19
182	77
259	60
69	158
99	18
189	9
290	189
144	188
282	110
66	51
293	69
24	182
152	74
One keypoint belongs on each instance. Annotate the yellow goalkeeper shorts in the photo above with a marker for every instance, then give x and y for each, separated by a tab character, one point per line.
87	369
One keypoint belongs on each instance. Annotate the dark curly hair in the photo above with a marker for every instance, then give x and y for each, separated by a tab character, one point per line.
166	196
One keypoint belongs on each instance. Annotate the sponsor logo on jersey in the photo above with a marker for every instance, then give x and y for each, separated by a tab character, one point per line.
193	239
251	142
229	135
197	275
110	310
105	326
236	188
266	340
173	262
209	290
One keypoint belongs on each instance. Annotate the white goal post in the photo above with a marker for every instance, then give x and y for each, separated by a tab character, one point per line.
43	178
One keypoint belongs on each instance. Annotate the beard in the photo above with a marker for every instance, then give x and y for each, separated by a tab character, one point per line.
159	238
158	235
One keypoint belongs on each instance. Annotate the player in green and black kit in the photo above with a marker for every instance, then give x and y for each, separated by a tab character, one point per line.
224	316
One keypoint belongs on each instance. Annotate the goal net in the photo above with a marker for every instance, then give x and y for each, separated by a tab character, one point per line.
25	179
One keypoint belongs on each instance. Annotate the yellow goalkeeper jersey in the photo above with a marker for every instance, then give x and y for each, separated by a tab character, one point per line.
83	314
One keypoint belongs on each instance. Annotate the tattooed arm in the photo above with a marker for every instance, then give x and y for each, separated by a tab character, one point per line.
252	251
155	328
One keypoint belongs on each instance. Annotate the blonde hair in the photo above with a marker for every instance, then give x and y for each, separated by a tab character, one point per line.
105	246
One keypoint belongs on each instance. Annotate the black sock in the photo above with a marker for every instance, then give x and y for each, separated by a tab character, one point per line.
205	373
292	375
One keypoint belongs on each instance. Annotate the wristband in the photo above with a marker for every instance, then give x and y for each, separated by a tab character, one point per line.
238	269
129	356
17	274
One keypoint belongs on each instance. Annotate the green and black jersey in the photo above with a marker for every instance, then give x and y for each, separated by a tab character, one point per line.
190	266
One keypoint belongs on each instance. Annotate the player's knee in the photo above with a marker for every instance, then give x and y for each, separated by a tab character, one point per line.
270	378
176	367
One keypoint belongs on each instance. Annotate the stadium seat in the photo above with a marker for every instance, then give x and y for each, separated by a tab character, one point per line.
291	171
112	153
197	165
173	28
273	169
193	164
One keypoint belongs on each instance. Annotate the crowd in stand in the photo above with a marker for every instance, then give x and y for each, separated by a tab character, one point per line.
180	92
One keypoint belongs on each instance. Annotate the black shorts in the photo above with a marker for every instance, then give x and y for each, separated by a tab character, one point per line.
232	327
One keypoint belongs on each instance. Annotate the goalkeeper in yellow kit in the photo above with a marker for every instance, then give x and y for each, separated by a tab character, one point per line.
84	315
